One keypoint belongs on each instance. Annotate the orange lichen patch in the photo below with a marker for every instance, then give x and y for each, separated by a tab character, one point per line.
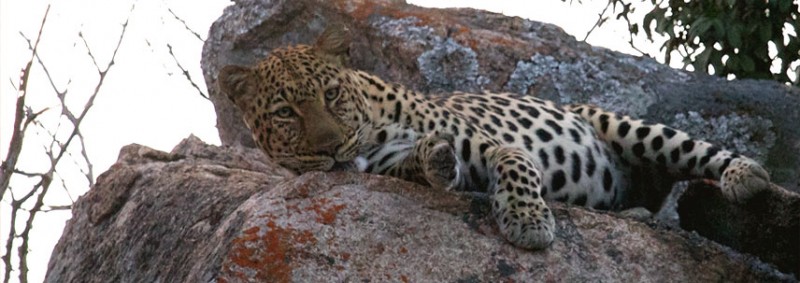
466	37
461	30
293	208
424	18
326	213
252	230
404	278
267	257
365	9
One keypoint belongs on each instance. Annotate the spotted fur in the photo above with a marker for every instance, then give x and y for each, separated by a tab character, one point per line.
309	113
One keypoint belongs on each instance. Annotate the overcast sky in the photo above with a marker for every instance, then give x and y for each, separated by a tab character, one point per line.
145	98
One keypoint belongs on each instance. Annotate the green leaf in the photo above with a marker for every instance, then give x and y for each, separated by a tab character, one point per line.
656	14
719	28
701	61
699	27
735	36
747	64
648	18
797	75
784	5
765	32
662	26
732	63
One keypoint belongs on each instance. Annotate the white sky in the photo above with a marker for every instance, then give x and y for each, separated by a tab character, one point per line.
145	98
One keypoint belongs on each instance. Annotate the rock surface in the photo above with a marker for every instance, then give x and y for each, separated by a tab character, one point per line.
203	213
437	50
219	214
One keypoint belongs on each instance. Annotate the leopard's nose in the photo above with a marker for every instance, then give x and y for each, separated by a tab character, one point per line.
328	146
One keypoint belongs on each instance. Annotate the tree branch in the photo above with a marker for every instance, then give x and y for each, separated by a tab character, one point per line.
197	35
15	147
185	72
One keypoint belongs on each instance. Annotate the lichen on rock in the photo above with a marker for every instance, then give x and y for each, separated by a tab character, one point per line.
581	80
748	135
445	64
449	65
407	28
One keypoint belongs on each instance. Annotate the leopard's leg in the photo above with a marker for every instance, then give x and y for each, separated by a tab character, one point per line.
639	143
521	213
429	160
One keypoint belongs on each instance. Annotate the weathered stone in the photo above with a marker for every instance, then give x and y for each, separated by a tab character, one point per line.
221	214
203	213
766	225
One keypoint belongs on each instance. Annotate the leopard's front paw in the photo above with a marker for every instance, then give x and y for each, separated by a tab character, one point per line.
441	166
527	225
743	178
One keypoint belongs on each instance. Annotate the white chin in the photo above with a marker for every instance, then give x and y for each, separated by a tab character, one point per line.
361	163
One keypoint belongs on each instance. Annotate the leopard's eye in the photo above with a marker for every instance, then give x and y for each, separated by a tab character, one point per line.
284	112
332	93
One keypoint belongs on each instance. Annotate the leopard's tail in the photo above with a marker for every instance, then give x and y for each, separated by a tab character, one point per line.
639	143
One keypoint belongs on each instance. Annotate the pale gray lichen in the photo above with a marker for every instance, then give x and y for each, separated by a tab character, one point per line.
446	65
406	29
582	80
525	74
450	66
748	135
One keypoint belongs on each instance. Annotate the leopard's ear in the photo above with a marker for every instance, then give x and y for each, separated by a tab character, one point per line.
236	81
334	44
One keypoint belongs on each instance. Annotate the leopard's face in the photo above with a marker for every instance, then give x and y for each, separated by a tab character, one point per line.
303	111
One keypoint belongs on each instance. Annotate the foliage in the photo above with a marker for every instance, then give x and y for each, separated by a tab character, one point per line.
725	37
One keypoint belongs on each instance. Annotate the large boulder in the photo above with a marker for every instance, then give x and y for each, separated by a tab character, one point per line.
444	50
203	213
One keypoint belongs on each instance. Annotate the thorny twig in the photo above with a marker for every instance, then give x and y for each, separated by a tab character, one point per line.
185	72
23	118
600	20
16	138
15	147
185	25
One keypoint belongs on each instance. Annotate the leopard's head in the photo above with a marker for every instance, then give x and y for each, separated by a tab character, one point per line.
301	105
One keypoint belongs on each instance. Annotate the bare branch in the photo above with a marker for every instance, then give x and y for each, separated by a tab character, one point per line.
10	244
18	202
185	25
600	20
56	208
15	147
90	101
89	170
186	72
64	186
630	38
57	149
86	44
27	174
60	94
23	247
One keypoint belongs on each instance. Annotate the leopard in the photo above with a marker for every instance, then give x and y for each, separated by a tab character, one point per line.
308	111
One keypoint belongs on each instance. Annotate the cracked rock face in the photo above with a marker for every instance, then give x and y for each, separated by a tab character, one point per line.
203	213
